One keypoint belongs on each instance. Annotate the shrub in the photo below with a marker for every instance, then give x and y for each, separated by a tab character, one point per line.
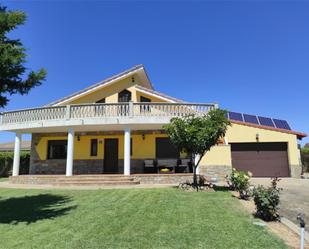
267	201
305	150
6	163
240	181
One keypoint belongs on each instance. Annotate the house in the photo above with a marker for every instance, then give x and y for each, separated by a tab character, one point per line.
9	146
116	126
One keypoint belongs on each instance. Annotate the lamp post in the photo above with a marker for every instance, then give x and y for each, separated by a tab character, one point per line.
302	224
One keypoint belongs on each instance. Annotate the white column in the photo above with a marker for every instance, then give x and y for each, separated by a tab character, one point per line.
70	152
196	159
16	161
127	149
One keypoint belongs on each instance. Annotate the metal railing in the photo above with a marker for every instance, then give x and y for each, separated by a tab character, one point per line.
105	110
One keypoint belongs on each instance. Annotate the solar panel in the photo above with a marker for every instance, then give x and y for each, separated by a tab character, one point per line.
251	119
258	120
266	121
236	116
281	124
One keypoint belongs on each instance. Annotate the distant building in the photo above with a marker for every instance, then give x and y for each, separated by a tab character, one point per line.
9	146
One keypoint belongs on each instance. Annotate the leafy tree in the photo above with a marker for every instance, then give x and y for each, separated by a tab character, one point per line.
12	59
197	134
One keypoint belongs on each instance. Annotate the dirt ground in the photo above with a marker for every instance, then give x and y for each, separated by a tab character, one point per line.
278	228
294	197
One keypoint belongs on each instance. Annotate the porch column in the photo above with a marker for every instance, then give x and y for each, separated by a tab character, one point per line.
196	159
127	149
16	161
70	152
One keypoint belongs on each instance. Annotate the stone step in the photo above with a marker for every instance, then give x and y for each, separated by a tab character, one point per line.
93	179
95	183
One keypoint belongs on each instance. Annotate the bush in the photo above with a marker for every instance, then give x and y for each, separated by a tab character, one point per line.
267	201
305	150
6	163
240	181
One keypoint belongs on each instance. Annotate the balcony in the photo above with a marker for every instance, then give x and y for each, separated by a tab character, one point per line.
115	115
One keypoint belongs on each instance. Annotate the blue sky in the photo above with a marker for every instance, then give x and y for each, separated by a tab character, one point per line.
250	56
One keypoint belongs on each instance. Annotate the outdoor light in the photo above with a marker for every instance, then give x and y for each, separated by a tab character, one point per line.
257	137
78	137
302	224
143	136
133	80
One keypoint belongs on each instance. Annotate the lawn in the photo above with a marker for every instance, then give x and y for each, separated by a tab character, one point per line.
130	218
4	179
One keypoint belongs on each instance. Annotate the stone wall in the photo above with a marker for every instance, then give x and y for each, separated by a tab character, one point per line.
163	178
219	172
93	166
295	171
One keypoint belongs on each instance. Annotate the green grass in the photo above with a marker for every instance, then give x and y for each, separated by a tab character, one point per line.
4	179
130	218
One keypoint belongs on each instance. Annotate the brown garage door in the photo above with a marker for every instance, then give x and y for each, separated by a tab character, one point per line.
262	159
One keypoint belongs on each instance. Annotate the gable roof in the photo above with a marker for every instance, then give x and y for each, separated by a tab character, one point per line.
139	69
158	94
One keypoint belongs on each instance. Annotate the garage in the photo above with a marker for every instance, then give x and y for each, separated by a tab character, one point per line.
261	159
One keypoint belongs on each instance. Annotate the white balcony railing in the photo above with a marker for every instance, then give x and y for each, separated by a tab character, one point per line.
119	110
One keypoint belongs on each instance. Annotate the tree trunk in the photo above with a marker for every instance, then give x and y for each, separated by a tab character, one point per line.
195	178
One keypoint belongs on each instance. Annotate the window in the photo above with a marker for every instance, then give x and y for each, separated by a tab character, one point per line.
57	149
101	101
94	147
124	96
144	99
165	149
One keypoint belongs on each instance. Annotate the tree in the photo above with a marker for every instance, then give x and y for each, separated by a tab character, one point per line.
12	59
197	134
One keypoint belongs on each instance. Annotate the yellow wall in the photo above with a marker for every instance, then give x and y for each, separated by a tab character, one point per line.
242	134
218	155
110	93
221	154
141	148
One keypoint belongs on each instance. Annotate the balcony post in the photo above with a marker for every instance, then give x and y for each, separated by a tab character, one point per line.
70	153
131	110
127	150
16	161
68	112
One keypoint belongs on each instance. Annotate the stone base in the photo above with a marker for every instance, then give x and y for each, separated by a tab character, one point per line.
163	178
296	171
94	166
215	171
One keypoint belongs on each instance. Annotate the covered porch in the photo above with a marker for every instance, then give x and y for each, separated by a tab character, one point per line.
126	134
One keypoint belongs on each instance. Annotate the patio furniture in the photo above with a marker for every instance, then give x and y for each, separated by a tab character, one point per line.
169	163
183	165
149	166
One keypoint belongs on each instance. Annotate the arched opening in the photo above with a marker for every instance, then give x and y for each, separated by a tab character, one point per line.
124	96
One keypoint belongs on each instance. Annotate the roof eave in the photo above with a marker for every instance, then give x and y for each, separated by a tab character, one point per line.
299	135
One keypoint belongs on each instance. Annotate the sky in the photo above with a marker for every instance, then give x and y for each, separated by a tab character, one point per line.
248	56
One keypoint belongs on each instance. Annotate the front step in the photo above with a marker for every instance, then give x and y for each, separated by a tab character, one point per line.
96	183
76	180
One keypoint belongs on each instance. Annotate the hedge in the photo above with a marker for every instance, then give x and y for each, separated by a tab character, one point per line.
305	150
6	163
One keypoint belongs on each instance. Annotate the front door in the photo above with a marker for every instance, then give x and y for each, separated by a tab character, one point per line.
111	155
